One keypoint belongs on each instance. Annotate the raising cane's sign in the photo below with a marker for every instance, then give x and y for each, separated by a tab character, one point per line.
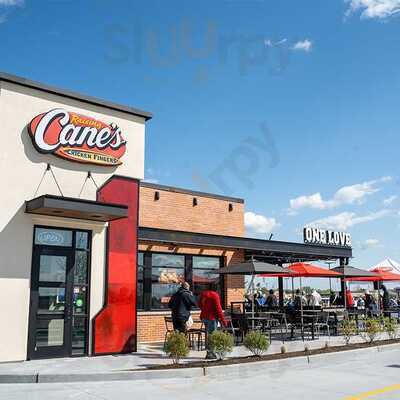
77	138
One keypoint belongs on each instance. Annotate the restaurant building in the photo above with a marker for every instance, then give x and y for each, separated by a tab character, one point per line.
90	253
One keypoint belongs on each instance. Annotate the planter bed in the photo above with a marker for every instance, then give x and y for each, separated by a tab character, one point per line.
270	357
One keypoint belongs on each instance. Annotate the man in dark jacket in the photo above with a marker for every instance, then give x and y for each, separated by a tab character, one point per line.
181	303
385	298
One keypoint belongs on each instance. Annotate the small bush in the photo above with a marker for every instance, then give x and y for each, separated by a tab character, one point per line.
349	329
256	342
307	348
176	346
326	346
283	349
390	327
372	329
221	343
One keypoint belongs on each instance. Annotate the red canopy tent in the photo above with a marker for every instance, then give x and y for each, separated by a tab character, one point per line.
383	274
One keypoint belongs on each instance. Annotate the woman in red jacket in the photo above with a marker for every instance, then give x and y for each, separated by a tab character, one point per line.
211	312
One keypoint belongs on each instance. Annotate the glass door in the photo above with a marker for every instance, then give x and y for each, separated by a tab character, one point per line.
58	323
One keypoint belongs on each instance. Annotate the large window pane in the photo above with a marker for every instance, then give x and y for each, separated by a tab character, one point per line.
205	279
168	260
49	332
53	237
205	275
140	290
206	262
165	282
51	299
52	268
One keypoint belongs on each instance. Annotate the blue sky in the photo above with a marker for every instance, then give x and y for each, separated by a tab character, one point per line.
292	105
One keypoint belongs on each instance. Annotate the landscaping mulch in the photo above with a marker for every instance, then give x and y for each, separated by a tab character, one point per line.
270	357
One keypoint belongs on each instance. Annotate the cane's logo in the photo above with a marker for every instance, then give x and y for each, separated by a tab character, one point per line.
77	138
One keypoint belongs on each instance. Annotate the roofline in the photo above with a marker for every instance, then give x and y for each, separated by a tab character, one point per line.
5	77
147	234
174	189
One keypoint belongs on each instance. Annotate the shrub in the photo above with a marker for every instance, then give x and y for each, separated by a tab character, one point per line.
176	346
256	342
283	349
220	343
349	329
390	327
372	329
326	346
307	348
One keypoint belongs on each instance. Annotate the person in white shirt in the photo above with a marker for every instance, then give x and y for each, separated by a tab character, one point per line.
316	298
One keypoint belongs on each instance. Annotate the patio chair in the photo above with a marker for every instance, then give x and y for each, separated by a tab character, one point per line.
310	325
169	327
323	322
234	326
197	335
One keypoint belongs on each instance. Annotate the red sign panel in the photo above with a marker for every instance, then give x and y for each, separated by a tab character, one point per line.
77	138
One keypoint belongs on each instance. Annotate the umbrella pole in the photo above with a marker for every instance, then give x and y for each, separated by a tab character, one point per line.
301	308
253	300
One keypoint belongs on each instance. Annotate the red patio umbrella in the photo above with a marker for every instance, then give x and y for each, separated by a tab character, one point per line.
312	271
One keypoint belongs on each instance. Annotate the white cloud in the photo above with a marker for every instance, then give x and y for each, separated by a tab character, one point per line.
151	180
9	3
345	195
270	43
369	243
389	200
346	220
303	45
259	223
369	9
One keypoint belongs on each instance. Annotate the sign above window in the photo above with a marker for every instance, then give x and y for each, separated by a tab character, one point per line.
77	138
326	237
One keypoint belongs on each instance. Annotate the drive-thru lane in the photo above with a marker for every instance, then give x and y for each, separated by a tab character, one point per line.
374	376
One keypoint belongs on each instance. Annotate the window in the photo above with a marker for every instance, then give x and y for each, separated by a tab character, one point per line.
140	289
160	274
167	273
205	275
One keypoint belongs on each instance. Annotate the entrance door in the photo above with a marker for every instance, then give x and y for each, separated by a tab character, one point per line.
58	323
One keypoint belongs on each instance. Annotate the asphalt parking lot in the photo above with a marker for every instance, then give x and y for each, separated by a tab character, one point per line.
373	376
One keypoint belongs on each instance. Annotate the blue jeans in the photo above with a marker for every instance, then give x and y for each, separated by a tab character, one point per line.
210	325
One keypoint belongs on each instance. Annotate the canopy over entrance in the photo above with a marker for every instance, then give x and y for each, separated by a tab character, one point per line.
67	207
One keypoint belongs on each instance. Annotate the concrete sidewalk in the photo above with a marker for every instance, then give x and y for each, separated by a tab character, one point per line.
120	367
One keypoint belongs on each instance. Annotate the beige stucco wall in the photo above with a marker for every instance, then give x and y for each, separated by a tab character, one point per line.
21	168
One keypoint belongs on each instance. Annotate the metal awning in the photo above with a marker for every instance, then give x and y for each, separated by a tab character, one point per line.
269	251
68	207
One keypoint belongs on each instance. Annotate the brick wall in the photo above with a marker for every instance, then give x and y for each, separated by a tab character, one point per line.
175	210
151	326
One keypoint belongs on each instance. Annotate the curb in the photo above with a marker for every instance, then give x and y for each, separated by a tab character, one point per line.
272	367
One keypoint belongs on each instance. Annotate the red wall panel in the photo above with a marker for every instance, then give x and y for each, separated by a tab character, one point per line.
115	325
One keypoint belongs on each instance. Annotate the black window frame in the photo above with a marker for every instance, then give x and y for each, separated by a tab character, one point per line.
188	273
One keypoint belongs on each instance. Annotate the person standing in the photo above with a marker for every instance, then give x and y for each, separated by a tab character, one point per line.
385	298
211	313
271	301
181	304
316	298
349	299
